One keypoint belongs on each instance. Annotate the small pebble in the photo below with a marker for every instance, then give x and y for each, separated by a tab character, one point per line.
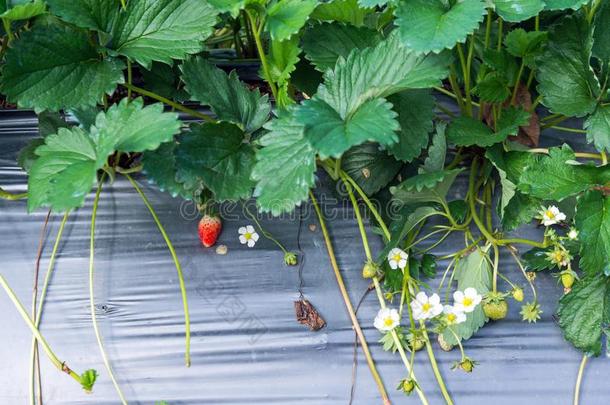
312	227
221	249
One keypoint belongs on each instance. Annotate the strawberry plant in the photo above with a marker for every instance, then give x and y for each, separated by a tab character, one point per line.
395	101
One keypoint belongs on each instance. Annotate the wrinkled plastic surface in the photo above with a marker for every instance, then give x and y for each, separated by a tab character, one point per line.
247	347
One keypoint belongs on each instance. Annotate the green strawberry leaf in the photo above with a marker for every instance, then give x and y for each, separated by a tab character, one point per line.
130	127
493	88
27	155
565	79
598	128
536	259
56	67
64	172
563	4
601	33
164	80
285	166
162	30
286	17
345	11
91	14
433	25
283	57
518	10
593	224
49	122
215	154
435	161
325	43
24	10
520	210
229	98
87	379
160	168
473	271
330	135
466	131
371	167
415	110
553	177
358	78
433	187
584	313
524	44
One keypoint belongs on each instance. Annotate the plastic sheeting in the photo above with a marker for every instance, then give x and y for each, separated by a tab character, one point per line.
247	347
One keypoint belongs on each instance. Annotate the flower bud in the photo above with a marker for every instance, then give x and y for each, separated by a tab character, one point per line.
518	294
290	259
407	386
370	269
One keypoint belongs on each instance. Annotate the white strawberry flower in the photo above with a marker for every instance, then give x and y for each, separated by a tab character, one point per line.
573	234
551	216
425	307
387	319
466	301
453	316
397	258
247	235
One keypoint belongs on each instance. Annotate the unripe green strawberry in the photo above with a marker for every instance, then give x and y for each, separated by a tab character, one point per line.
518	294
567	279
370	270
407	386
467	365
416	344
209	229
496	309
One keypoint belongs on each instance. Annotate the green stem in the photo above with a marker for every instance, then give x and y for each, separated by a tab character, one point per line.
263	231
5	195
496	262
261	54
43	294
7	28
348	304
581	371
131	170
466	74
459	342
96	329
516	88
512	252
434	364
500	34
123	4
567	129
369	205
60	365
488	28
169	102
129	72
172	251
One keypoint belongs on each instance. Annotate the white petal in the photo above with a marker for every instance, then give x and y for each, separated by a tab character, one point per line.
448	309
476	300
393	264
418	315
561	217
470	292
434	299
250	229
421	297
458	297
254	236
378	323
460	317
242	230
402	263
242	239
404	254
437	310
251	243
468	308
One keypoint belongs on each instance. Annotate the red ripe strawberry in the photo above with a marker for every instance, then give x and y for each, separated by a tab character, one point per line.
209	228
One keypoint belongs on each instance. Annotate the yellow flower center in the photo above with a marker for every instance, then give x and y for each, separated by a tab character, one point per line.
451	317
550	214
388	322
248	235
397	258
557	256
426	307
467	302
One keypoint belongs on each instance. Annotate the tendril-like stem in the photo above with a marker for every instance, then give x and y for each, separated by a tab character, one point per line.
581	371
170	246
96	329
43	295
348	303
